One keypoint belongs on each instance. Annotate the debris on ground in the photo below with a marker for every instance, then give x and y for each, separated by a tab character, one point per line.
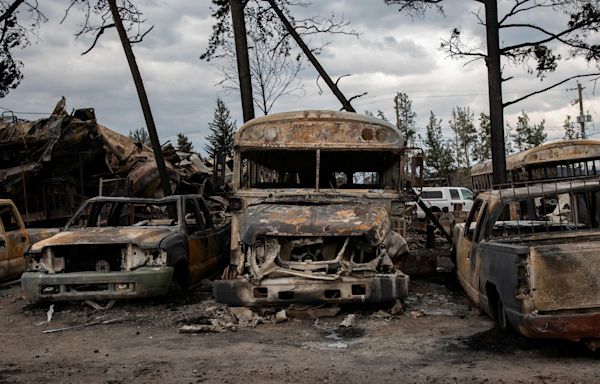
348	321
397	309
381	314
280	316
95	322
49	313
415	314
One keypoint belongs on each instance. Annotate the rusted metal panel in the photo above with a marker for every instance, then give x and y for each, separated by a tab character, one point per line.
15	240
554	151
318	129
343	219
572	326
347	289
565	276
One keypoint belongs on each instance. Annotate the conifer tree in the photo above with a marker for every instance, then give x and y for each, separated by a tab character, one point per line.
483	148
141	136
526	135
465	135
438	158
220	139
570	131
184	144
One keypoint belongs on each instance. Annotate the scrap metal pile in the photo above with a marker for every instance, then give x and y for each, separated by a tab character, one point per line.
51	165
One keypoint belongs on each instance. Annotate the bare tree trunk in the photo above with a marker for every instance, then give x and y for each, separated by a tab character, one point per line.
336	91
241	53
495	92
139	85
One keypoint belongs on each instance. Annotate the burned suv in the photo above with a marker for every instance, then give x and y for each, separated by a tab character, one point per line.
314	211
119	247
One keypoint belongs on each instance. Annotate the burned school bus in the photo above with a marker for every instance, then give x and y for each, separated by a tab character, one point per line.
316	201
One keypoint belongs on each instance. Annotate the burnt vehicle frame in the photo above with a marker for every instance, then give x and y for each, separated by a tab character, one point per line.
316	210
529	257
120	247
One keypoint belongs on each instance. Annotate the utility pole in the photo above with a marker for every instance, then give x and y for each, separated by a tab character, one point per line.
581	117
141	91
333	86
241	54
495	92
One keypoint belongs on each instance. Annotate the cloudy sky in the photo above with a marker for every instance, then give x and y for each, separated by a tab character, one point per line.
393	53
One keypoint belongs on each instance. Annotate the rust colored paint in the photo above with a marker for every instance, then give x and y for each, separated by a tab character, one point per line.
565	276
318	129
15	243
547	282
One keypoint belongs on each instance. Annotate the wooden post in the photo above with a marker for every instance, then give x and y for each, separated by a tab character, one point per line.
241	53
495	92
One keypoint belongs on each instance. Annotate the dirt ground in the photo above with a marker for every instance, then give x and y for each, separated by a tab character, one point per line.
437	338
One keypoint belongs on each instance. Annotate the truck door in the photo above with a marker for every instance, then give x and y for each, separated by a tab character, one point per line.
467	253
201	242
13	243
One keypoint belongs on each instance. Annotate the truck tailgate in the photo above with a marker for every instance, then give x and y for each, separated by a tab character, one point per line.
565	276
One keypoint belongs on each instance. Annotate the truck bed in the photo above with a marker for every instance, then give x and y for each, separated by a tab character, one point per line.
563	268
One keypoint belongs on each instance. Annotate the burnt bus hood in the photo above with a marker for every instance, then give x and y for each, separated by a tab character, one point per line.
145	237
368	219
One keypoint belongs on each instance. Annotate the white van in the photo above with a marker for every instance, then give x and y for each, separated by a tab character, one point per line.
439	199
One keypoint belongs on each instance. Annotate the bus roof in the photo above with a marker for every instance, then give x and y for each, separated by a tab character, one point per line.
318	129
550	152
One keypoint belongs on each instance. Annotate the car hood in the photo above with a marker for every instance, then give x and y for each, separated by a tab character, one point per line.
370	220
142	236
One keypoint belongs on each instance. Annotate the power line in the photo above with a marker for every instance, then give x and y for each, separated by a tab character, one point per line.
25	113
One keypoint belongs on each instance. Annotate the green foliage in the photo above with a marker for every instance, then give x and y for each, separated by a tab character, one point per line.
220	139
10	69
439	160
141	136
526	135
570	131
483	149
184	143
405	117
465	135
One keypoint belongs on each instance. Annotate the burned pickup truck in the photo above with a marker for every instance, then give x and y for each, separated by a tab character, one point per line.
120	247
530	258
313	211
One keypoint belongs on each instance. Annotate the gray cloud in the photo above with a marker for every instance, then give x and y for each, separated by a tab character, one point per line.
393	53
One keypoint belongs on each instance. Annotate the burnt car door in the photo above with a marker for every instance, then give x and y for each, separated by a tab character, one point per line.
13	243
468	256
203	244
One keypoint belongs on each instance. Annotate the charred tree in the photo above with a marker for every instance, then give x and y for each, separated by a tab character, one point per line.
243	63
141	91
312	58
